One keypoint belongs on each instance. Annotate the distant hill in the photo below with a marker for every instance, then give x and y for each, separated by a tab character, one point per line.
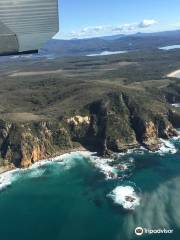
138	41
114	37
75	47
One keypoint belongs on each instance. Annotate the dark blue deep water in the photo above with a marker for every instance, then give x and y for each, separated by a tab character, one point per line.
68	200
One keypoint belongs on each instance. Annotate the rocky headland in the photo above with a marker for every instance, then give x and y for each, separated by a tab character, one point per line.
114	123
107	104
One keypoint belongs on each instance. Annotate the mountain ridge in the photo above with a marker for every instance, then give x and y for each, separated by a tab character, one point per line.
140	41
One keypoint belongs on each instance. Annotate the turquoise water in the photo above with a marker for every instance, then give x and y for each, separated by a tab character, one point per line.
68	200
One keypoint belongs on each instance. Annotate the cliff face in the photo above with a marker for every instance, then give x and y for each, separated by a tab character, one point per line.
24	144
114	123
120	122
110	127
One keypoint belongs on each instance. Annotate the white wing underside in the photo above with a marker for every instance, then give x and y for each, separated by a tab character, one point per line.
25	25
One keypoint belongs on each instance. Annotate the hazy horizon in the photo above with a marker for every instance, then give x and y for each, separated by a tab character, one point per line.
80	19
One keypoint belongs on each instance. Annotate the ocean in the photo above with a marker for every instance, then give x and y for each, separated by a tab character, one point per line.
82	197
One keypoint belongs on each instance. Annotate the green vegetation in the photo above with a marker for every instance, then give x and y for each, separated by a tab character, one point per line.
126	98
27	87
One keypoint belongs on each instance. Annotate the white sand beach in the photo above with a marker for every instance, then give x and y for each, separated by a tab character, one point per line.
174	74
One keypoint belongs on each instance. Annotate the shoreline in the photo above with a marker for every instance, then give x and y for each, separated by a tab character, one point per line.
116	170
59	156
174	73
4	169
7	172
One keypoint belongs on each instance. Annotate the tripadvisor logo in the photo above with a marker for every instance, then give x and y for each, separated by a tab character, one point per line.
140	231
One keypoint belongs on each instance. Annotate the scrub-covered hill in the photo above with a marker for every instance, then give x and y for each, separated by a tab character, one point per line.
105	104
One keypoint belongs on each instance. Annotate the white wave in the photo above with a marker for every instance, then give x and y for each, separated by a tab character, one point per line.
70	155
109	168
178	137
140	150
36	170
125	196
7	178
38	164
105	168
87	154
68	160
103	164
167	147
5	181
129	151
63	159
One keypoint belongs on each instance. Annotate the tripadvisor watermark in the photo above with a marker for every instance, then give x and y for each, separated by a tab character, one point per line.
140	231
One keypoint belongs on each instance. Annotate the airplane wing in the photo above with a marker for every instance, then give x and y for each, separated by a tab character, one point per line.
25	25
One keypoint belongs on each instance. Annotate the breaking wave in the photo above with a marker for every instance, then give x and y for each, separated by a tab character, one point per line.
37	169
167	147
113	169
125	196
7	178
109	167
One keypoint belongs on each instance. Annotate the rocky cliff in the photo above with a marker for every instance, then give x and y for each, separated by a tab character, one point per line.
114	123
25	143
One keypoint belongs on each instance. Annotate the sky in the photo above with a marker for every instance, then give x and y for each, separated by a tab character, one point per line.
93	18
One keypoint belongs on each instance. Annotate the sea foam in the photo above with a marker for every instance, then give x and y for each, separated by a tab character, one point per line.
7	178
167	147
113	169
125	196
103	164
